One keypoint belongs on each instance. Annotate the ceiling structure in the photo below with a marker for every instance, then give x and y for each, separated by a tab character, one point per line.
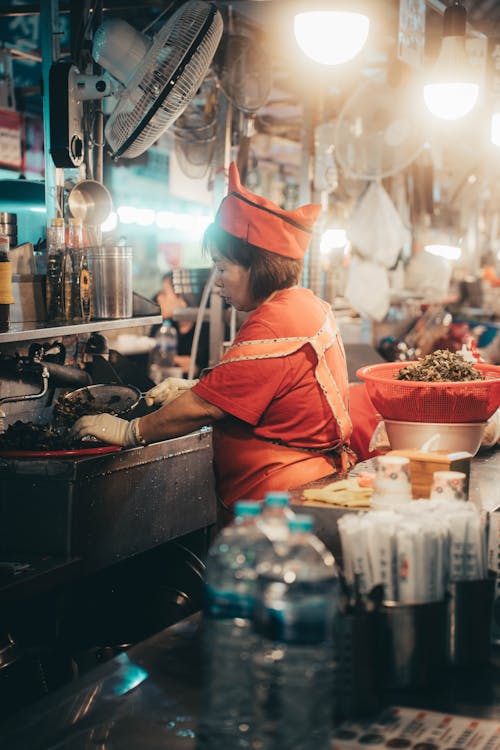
298	85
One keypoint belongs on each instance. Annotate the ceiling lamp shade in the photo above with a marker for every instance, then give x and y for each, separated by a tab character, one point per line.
331	37
452	90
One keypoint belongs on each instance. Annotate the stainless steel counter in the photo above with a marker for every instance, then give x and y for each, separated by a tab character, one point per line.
148	698
106	508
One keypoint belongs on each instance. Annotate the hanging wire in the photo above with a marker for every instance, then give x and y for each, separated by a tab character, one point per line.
159	17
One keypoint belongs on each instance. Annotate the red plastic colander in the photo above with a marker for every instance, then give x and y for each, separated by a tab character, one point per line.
418	401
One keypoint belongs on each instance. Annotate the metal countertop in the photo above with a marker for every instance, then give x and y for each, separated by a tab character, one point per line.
149	698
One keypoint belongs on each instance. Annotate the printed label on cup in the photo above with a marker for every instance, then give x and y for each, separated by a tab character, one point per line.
392	479
448	485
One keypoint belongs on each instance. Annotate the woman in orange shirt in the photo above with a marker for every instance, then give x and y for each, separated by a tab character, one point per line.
278	400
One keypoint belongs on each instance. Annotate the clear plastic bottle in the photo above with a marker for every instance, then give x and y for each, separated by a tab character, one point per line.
54	291
228	638
162	358
296	603
275	515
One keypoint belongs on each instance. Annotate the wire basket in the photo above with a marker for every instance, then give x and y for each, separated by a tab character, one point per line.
443	403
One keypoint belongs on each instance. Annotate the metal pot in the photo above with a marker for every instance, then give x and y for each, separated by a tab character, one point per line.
120	398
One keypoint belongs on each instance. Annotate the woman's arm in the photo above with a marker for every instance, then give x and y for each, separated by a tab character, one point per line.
185	414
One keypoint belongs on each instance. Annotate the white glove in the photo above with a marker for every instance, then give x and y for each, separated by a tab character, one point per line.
167	391
491	434
108	429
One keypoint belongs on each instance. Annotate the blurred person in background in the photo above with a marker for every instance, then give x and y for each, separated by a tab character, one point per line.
168	300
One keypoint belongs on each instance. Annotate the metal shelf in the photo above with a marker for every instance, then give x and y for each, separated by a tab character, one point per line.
44	330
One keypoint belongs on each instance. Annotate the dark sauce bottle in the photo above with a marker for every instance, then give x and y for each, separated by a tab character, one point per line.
6	298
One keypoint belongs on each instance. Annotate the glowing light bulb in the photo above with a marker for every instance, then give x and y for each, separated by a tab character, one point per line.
332	239
450	252
450	101
331	37
452	90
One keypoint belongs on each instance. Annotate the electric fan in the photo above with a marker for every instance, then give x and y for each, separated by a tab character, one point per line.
195	132
159	76
377	133
244	70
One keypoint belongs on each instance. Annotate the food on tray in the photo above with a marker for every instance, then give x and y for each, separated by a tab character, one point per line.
67	411
346	493
440	366
27	436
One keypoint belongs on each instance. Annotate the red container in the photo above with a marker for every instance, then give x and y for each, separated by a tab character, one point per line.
420	401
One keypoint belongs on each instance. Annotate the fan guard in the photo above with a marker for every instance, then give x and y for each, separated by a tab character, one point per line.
244	70
377	134
166	79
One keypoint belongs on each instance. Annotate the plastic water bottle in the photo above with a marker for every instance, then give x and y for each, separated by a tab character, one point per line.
228	638
296	603
275	515
162	358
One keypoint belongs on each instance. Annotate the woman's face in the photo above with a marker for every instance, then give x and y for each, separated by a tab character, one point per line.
233	284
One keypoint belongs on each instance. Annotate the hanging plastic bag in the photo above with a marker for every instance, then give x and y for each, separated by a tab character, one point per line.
376	229
367	288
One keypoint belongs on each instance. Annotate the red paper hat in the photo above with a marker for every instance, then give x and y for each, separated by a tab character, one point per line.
264	224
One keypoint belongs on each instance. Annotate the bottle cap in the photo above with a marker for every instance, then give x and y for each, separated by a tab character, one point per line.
301	523
247	508
277	499
75	221
57	221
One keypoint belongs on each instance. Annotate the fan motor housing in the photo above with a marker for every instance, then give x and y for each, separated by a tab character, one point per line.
66	113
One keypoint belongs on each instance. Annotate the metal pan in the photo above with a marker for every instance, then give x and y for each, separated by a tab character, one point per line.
116	399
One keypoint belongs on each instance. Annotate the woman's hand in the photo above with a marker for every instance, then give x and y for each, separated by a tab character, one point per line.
491	434
167	391
108	429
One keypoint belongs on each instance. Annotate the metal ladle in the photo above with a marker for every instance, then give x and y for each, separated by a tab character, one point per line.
91	202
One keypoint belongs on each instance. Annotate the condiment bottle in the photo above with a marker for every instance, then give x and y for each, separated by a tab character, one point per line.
6	297
77	281
55	267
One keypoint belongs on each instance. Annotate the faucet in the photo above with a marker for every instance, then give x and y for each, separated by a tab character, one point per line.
26	397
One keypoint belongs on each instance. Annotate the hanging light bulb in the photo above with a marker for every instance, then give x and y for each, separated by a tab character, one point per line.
453	90
331	37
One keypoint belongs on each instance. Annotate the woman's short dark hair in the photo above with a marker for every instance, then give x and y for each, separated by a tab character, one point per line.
268	271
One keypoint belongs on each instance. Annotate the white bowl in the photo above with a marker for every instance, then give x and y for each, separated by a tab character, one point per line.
427	436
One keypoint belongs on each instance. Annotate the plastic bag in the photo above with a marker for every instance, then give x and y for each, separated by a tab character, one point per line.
429	274
376	229
367	288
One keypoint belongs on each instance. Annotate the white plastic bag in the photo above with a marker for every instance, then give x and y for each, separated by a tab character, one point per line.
367	288
376	229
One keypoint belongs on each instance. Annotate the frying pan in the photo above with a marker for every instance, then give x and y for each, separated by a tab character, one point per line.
120	399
